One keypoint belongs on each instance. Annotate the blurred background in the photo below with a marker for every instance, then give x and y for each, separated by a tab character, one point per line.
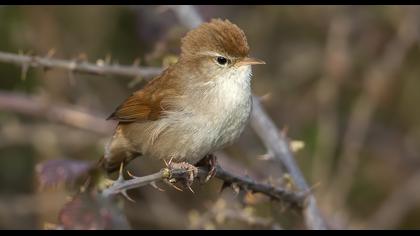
343	80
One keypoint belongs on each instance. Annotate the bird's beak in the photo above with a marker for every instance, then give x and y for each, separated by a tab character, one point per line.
249	61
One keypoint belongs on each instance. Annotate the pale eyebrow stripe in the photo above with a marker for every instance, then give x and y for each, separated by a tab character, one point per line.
211	53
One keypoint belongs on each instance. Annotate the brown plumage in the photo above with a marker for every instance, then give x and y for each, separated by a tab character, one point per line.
194	107
218	35
149	102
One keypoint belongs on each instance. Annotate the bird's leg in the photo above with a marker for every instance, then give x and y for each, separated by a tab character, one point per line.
185	180
210	162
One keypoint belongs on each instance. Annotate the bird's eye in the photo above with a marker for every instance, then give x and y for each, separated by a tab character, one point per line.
222	60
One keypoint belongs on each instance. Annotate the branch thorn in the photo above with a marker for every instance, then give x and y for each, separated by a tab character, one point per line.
120	173
172	185
124	193
153	184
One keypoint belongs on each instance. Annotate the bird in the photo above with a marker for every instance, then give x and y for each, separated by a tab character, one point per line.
196	106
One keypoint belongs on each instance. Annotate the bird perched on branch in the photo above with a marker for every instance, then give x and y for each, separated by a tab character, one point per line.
196	106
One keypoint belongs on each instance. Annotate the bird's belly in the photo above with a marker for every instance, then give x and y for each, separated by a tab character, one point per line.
190	137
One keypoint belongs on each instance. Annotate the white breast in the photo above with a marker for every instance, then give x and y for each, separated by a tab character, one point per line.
215	117
234	102
222	110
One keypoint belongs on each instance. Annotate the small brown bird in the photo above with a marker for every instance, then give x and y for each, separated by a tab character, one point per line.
196	106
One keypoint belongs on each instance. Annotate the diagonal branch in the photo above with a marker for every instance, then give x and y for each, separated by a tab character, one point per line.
278	144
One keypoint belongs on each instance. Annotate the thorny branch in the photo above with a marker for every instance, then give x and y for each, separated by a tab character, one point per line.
100	68
268	132
276	193
279	146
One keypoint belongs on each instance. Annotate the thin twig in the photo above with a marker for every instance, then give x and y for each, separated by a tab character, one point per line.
71	116
79	66
276	193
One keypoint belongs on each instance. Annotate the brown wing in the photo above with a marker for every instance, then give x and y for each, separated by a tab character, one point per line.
147	103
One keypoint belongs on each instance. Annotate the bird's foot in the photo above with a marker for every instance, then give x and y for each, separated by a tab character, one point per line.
186	175
210	162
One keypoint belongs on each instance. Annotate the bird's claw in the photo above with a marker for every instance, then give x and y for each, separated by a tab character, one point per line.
170	182
187	179
210	162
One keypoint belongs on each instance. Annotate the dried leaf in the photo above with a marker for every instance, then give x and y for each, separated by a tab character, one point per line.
51	53
100	62
289	183
296	145
250	198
